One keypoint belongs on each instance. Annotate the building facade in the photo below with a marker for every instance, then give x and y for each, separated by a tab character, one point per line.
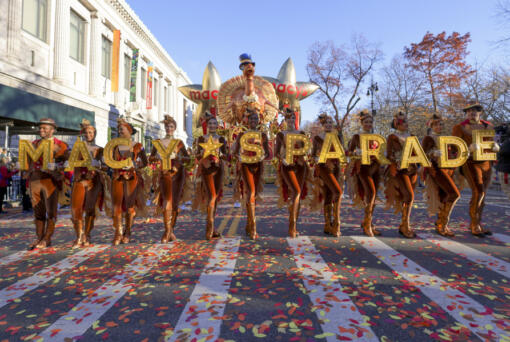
57	62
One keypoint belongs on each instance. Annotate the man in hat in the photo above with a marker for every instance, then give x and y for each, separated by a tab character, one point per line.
44	185
477	173
169	184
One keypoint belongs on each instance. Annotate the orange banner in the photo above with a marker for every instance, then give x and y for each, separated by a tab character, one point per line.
114	77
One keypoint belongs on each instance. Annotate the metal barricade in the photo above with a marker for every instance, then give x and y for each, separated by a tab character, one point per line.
14	189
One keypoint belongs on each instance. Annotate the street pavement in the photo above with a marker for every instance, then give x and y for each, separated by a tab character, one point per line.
312	288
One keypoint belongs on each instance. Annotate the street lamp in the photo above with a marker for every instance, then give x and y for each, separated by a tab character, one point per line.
371	92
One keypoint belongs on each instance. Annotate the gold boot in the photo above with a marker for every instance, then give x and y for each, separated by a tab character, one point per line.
117	225
168	235
46	240
335	230
78	228
209	228
292	220
445	217
404	228
476	230
89	225
367	223
39	231
327	218
127	231
250	209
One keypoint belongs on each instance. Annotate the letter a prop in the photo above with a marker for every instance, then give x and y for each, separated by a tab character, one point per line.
413	154
331	140
79	148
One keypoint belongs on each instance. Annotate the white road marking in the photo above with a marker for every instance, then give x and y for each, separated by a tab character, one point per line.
323	286
464	309
207	302
19	288
77	321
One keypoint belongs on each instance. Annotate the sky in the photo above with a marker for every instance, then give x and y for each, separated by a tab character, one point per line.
196	32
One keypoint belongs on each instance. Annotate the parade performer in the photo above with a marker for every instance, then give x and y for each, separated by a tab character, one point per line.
128	184
364	180
169	184
400	183
45	185
291	178
250	180
477	173
89	186
442	193
329	180
211	153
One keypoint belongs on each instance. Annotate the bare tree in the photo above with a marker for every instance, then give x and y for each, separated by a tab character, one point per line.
503	15
340	71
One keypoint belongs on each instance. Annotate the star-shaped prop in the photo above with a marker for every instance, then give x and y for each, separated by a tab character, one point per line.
205	95
210	147
289	91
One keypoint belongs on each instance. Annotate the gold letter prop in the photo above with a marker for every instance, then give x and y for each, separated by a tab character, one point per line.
27	150
79	148
478	138
290	141
331	139
247	147
166	153
378	153
108	154
413	145
462	154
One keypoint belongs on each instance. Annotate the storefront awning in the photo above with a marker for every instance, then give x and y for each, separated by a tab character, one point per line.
21	106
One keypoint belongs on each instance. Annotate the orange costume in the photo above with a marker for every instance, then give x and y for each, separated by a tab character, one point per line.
329	184
44	188
169	184
128	187
477	173
364	182
292	180
400	183
209	181
87	193
442	193
250	183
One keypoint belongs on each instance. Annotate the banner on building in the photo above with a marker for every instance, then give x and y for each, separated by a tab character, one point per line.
148	98
114	77
134	71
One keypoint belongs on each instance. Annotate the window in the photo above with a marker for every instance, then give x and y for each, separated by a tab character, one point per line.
184	109
143	82
34	18
77	35
165	100
106	63
127	71
156	88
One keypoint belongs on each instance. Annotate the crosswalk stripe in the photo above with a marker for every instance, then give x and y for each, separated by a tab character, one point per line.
19	288
225	220
501	237
84	314
322	286
235	223
9	259
464	309
490	262
200	319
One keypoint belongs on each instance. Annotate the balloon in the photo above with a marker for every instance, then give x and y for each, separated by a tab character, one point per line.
205	95
289	91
